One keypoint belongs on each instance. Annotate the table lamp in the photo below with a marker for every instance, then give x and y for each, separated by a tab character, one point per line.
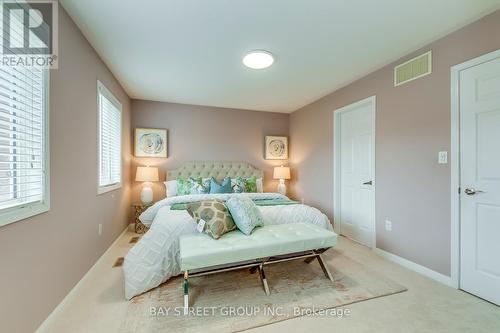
281	173
146	175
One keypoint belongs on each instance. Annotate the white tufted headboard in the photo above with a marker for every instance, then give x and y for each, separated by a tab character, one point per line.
216	169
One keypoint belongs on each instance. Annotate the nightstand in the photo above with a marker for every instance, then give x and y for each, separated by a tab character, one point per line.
138	209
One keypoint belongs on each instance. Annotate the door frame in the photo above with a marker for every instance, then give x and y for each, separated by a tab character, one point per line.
455	160
337	165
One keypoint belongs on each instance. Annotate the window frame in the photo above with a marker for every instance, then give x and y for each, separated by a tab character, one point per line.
102	90
30	209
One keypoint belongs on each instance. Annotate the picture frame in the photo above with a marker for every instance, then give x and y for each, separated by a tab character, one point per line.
276	147
150	142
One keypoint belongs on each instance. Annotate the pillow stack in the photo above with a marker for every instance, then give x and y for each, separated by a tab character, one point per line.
219	217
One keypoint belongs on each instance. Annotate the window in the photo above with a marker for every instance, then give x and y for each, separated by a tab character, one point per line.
109	138
24	158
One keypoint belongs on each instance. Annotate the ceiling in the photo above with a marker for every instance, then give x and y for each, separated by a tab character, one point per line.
190	51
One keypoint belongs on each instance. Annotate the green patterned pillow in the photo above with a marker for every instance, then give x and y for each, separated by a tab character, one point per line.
183	186
239	185
215	214
199	185
192	186
206	185
248	185
251	185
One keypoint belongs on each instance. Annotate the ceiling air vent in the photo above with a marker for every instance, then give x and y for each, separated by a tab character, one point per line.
413	69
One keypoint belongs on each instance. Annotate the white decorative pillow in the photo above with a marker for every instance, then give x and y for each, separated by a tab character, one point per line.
260	185
171	187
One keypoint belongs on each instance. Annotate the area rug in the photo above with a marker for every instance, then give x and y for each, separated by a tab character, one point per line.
235	301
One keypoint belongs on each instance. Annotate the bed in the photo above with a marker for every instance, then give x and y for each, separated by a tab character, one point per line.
155	258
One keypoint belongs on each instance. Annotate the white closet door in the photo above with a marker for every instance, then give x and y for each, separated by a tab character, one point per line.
357	199
480	180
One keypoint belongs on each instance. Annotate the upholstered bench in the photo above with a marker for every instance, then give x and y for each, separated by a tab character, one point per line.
201	255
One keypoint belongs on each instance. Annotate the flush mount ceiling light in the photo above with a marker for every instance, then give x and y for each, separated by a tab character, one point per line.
258	59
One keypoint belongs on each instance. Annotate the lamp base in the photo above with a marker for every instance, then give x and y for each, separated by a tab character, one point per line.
147	193
282	187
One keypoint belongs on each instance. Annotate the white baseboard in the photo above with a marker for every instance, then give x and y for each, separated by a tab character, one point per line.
446	280
43	327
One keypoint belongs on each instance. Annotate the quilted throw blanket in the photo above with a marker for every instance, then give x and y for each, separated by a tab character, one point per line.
264	202
155	258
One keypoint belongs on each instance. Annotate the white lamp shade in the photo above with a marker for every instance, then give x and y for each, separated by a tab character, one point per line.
281	172
146	174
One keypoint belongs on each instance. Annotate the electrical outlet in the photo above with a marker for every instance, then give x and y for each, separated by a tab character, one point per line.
302	201
388	225
99	229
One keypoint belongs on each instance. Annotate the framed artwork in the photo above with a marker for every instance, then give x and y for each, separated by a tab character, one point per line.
150	142
276	148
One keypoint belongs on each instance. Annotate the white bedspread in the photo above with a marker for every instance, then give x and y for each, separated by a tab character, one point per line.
155	258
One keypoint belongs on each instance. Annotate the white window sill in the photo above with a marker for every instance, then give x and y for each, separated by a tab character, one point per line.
15	214
108	188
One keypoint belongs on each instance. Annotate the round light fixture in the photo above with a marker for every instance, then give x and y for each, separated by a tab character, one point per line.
258	59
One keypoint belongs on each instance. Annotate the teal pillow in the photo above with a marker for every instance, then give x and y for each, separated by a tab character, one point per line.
245	213
225	187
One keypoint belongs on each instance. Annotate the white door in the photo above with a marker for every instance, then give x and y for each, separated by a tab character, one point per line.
357	199
480	180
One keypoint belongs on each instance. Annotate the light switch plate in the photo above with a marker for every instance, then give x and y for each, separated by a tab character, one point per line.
443	157
388	225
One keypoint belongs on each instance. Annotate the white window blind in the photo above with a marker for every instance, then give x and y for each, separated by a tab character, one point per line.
110	119
22	137
24	159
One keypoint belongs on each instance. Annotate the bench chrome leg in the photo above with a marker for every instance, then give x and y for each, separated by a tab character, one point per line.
263	279
324	268
185	285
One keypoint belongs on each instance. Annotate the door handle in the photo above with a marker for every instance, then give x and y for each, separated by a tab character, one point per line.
472	191
368	183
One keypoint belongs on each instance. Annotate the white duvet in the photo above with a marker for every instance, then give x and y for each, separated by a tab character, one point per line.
155	258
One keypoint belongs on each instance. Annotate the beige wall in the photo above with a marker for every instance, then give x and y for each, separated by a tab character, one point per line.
43	257
412	126
207	133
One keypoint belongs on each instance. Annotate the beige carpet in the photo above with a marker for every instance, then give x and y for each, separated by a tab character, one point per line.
294	285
